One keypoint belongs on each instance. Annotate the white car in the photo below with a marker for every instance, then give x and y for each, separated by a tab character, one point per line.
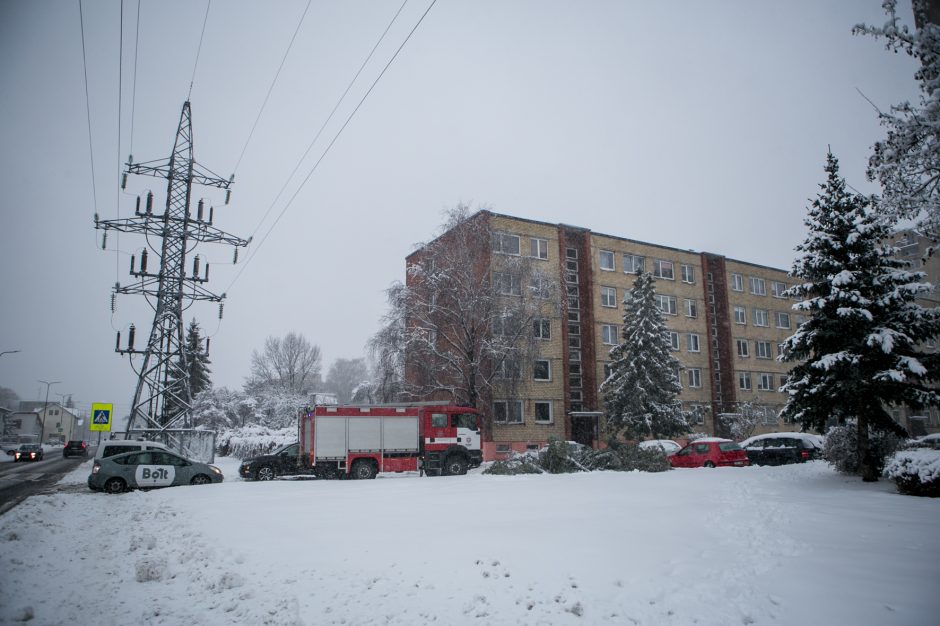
668	446
113	447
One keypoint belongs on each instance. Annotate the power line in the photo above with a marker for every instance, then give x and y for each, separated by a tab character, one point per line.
271	88
199	49
134	94
117	195
91	151
333	141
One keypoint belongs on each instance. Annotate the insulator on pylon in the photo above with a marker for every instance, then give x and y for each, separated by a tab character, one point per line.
196	266
143	260
149	203
137	207
133	259
113	302
235	260
130	337
117	343
221	304
104	241
124	181
206	275
211	212
228	195
207	345
199	210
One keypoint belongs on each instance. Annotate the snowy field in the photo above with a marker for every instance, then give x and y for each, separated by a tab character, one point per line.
784	545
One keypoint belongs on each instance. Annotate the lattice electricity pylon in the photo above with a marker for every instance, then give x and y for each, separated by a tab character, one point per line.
163	397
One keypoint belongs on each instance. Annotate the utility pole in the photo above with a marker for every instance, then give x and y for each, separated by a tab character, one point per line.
162	399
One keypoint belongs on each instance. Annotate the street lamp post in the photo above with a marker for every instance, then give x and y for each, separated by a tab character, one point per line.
45	406
62	397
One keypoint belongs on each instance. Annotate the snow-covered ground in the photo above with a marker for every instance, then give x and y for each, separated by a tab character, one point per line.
797	544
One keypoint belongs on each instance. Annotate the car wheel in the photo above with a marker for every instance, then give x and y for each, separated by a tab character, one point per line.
709	464
265	472
115	485
200	479
363	470
455	465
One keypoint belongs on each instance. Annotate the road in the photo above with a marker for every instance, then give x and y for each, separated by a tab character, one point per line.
20	480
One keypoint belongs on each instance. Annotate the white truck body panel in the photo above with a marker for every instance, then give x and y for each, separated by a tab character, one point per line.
338	435
330	437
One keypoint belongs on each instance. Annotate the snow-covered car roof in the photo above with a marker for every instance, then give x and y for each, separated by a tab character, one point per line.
708	440
816	440
930	437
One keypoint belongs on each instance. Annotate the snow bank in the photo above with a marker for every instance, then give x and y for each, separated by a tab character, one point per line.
797	544
916	472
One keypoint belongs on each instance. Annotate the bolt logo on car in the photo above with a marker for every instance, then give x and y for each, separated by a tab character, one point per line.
155	475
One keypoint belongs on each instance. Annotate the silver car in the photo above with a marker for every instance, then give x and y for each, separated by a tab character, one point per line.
149	469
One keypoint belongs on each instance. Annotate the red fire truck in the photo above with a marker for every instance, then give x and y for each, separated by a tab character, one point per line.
358	441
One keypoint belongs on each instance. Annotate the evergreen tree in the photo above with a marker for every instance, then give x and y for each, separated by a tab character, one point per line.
641	393
858	350
197	364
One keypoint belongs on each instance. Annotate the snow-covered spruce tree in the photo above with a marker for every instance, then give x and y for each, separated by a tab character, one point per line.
197	363
641	393
906	163
858	349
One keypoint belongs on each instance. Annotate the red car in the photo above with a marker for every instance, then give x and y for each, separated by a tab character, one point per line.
710	452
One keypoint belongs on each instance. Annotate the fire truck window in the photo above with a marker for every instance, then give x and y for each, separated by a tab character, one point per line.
464	420
439	420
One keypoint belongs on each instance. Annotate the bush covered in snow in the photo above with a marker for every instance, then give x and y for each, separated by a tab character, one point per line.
249	441
916	472
841	447
564	457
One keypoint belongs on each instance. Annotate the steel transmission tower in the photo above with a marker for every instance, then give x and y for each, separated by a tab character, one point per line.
162	399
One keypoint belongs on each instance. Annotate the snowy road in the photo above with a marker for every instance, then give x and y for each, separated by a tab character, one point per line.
760	545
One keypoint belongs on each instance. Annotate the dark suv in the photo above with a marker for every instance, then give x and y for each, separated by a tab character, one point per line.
267	467
75	448
779	449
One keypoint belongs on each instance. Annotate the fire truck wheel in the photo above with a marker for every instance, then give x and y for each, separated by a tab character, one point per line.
363	470
455	465
265	472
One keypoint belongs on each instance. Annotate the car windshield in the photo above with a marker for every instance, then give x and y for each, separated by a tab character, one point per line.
289	450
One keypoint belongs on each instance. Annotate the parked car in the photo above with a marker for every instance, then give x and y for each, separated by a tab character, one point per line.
668	446
28	452
282	461
113	447
927	441
781	448
75	448
710	452
149	469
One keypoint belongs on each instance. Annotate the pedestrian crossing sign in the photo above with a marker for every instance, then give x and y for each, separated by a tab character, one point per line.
101	417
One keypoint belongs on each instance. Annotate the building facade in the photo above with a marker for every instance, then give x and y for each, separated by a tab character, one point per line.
727	320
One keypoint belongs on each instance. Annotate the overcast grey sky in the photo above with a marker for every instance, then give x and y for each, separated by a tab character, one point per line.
691	124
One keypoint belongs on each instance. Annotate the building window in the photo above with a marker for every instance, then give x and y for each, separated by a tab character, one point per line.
764	351
574	316
543	411
539	248
667	304
540	286
571	253
777	289
692	343
609	334
694	376
673	339
504	325
757	286
744	381
783	319
663	269
507	369
506	284
740	315
608	296
799	320
737	282
507	411
542	369
742	347
543	328
574	355
760	317
504	243
606	260
632	264
688	273
783	381
690	308
765	382
574	341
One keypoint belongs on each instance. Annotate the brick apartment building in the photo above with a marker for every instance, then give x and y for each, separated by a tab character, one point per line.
727	319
